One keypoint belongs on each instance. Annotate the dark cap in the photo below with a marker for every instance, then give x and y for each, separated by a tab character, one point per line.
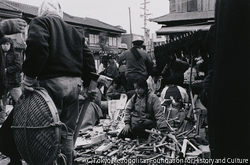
6	39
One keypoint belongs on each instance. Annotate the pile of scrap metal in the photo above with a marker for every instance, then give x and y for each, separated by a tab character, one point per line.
169	146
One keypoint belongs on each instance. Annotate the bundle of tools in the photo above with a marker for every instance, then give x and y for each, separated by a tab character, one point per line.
182	143
161	146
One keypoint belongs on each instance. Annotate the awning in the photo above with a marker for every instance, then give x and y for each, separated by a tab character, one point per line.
207	15
181	29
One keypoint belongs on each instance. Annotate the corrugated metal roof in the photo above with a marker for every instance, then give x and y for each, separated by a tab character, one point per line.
32	10
184	16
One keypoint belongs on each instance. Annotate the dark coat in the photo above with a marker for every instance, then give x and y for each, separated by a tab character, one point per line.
13	69
56	49
135	68
228	104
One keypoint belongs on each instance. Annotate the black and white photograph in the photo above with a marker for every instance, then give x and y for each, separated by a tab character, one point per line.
124	82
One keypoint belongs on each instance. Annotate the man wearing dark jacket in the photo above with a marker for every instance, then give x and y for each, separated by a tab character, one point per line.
138	63
59	59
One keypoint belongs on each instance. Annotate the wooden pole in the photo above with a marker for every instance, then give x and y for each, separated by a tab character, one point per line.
131	34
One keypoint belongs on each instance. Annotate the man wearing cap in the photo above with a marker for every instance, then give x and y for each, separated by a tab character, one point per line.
58	58
138	63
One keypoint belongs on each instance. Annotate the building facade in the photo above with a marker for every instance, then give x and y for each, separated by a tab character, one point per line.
100	37
186	16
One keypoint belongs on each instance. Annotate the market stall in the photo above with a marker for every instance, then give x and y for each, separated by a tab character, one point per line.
180	144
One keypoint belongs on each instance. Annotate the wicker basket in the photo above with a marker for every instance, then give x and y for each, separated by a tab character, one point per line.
37	128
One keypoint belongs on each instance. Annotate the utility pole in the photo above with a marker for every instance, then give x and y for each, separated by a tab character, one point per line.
131	34
146	30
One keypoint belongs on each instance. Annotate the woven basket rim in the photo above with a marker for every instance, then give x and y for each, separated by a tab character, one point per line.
52	130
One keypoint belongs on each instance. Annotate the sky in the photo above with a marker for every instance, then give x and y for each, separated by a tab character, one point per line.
114	12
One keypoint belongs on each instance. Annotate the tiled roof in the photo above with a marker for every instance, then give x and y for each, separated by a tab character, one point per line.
32	10
184	16
6	6
24	8
99	24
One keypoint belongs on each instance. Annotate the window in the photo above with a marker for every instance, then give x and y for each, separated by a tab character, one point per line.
93	39
112	41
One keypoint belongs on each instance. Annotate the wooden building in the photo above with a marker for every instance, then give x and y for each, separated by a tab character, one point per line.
100	37
186	16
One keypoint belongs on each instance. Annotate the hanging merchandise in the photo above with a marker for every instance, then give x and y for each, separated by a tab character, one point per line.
182	47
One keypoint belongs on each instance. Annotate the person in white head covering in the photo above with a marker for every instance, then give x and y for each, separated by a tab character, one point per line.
49	7
59	59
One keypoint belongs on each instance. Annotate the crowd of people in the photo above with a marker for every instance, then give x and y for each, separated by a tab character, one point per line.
53	62
58	60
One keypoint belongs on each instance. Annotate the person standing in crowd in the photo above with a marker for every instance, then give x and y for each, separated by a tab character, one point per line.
138	63
59	59
8	27
143	111
12	71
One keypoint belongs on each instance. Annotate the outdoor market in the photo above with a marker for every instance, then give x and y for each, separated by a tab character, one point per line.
75	90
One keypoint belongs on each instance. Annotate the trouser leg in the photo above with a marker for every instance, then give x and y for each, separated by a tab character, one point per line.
64	91
3	113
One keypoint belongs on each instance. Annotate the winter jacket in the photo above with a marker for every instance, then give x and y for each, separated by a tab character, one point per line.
13	69
136	111
135	68
55	49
